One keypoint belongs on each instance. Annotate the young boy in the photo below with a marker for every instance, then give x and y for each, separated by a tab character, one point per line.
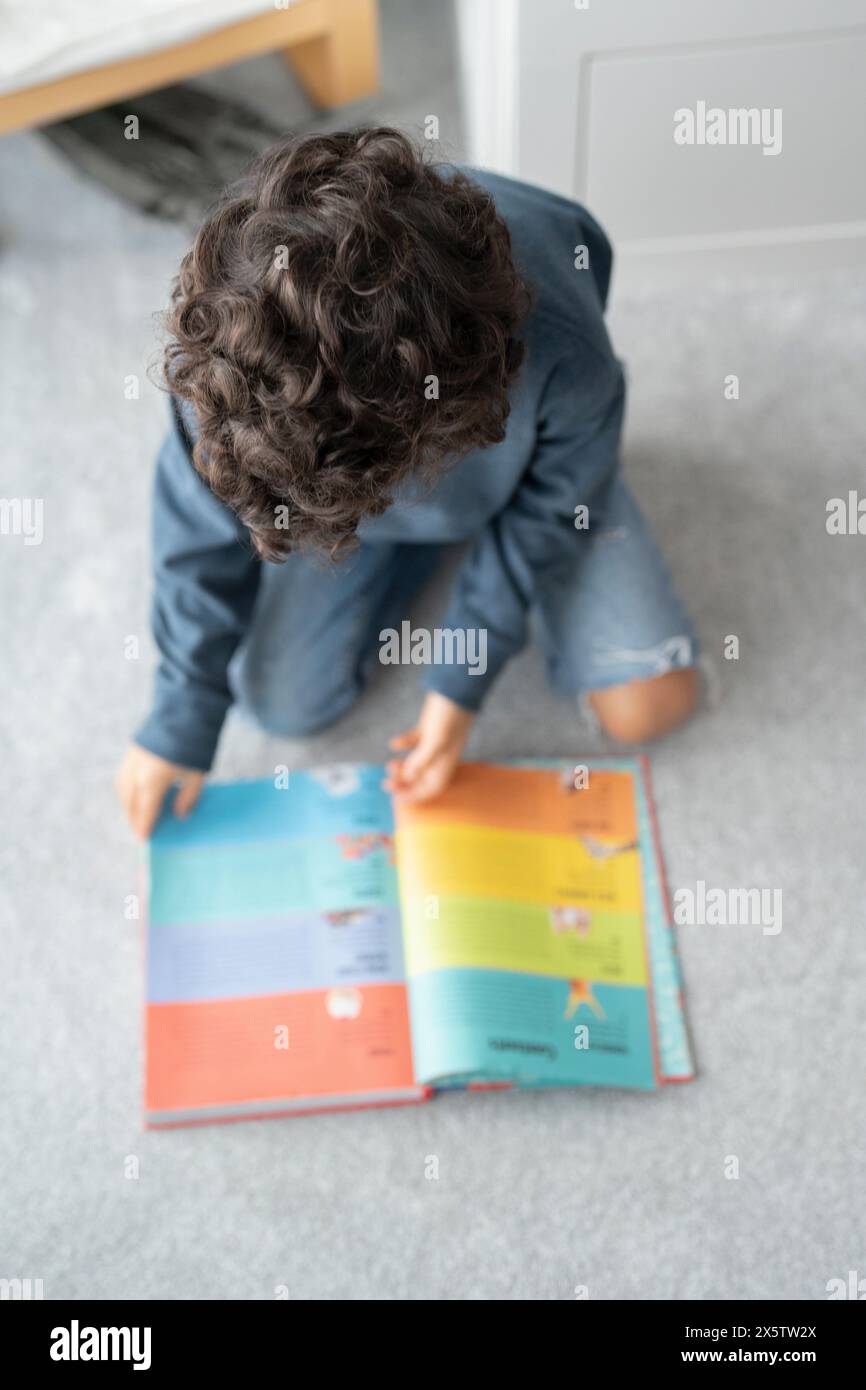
372	358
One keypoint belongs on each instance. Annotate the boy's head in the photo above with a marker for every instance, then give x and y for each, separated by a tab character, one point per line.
347	316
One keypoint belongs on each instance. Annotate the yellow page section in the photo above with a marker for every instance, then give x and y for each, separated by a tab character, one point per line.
497	934
470	861
546	904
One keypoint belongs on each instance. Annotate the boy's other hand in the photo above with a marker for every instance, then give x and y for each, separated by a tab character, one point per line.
432	750
142	782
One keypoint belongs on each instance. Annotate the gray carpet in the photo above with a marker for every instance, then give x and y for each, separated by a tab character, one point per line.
538	1193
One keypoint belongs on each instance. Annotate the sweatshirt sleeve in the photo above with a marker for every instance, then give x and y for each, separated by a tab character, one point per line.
206	577
535	537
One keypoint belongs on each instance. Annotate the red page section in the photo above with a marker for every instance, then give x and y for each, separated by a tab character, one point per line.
310	1045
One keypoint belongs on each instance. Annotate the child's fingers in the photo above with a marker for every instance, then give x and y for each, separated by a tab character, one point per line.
393	770
404	776
425	786
404	740
146	804
405	773
400	771
189	793
410	776
416	763
424	780
431	779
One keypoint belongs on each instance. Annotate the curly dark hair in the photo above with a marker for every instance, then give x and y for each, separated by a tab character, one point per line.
321	295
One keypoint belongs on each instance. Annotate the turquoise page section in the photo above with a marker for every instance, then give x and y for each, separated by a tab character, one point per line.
319	801
267	879
531	1029
323	842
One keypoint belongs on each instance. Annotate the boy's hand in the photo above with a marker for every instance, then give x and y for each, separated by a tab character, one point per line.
432	748
142	782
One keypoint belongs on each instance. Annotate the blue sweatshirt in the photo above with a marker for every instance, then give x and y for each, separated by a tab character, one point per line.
515	500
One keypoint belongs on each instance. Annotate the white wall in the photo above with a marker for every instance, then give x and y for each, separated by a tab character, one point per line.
582	101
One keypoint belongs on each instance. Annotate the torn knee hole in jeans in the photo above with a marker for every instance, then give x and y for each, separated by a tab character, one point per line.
673	654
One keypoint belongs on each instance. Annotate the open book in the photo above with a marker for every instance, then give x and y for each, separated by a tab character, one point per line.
312	945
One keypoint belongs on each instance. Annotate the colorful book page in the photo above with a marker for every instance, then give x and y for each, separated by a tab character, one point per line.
536	933
476	861
532	1029
308	874
500	796
525	937
275	963
273	955
676	1062
526	950
277	1052
342	798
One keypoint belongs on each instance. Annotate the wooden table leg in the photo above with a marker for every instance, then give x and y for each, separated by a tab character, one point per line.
342	64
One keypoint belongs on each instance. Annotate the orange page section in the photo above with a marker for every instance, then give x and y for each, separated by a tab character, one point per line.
540	801
316	1043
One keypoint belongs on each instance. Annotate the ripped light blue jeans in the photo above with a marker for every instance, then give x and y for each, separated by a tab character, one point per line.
620	618
315	633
